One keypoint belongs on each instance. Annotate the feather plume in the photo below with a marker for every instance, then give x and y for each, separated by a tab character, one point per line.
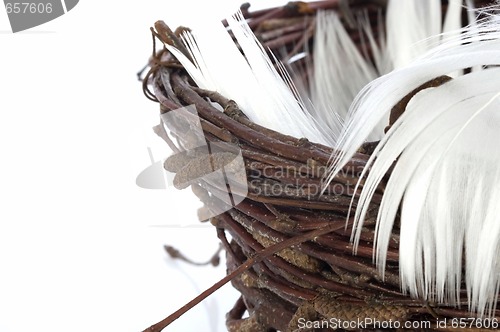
340	71
410	23
446	177
248	77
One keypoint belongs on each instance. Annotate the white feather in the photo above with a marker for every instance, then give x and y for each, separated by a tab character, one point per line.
383	63
409	23
248	77
339	73
374	102
446	149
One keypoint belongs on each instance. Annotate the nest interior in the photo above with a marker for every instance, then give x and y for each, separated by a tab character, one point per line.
309	271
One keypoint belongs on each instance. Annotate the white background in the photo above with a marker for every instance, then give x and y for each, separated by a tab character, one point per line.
80	243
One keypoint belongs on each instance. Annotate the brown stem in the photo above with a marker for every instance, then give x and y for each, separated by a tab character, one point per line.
259	257
176	254
167	36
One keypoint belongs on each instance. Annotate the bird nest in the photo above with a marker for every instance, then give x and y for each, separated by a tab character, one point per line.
286	232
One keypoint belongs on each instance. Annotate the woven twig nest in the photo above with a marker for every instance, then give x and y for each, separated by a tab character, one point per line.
309	274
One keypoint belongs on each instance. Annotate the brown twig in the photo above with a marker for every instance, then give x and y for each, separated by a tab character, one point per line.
259	257
176	254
